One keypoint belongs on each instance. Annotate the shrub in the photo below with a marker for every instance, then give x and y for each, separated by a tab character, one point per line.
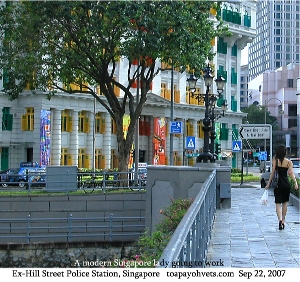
150	247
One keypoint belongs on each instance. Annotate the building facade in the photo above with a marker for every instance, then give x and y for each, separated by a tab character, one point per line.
277	91
277	42
70	129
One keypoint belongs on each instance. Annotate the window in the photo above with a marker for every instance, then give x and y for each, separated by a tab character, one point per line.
28	119
83	122
7	119
65	159
113	127
189	128
292	110
200	129
290	83
83	159
66	121
99	123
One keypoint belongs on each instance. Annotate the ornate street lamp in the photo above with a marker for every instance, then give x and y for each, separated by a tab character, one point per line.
209	103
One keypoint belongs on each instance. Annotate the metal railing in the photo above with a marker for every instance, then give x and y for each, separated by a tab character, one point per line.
188	244
86	181
71	229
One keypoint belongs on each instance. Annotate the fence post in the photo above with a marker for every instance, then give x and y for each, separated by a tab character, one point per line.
70	228
110	226
103	181
28	229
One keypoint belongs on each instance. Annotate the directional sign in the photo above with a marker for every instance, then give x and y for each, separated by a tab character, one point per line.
255	131
176	127
236	146
190	142
262	156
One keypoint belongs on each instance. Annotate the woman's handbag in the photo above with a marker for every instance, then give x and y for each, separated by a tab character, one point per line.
264	198
274	183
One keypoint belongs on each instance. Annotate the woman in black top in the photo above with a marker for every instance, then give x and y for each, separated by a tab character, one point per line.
282	192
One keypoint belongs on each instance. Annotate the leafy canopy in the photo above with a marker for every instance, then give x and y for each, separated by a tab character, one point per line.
54	45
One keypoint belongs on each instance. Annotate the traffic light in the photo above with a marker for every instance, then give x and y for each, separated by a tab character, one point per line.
218	148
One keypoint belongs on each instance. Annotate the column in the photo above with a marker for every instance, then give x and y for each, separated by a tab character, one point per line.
73	150
298	116
56	137
107	141
90	140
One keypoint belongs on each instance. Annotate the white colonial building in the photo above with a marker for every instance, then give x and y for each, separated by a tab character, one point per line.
70	130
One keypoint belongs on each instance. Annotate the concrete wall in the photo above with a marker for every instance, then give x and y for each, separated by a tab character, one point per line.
84	206
165	183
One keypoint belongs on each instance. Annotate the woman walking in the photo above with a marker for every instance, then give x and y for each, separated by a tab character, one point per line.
282	192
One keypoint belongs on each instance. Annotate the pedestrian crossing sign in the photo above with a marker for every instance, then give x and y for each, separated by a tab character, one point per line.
190	142
236	146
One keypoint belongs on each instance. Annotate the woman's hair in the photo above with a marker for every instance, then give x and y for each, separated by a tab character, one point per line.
281	152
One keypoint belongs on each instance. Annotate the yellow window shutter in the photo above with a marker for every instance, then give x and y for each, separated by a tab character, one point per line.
102	126
86	125
31	122
24	124
191	130
69	160
69	124
86	161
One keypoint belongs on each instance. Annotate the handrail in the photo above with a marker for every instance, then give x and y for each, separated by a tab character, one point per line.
188	244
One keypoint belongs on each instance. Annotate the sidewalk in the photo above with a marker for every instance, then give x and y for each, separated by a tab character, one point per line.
247	235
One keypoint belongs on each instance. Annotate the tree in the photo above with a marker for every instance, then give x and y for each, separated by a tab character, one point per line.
256	114
50	44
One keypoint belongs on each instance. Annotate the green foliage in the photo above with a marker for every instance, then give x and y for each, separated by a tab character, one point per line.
293	190
236	170
151	247
80	43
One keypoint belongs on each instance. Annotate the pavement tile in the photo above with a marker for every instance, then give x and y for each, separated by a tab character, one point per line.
247	235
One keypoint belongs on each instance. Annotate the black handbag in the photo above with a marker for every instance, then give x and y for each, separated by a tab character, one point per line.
274	183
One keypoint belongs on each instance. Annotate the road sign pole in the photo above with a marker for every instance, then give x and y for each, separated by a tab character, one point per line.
242	174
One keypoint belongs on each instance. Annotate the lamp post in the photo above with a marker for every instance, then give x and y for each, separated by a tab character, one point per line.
209	117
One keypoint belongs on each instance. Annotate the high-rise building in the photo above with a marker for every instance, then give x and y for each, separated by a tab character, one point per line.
277	42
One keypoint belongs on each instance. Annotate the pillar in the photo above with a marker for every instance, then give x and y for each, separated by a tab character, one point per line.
56	137
74	139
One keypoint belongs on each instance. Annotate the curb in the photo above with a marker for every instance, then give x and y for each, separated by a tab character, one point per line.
245	185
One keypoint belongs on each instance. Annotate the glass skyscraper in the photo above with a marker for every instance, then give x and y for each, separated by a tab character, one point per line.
277	42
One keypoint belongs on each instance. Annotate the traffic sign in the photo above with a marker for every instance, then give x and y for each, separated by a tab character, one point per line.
255	131
190	142
176	127
236	146
262	156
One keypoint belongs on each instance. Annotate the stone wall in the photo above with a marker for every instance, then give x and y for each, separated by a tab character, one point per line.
64	255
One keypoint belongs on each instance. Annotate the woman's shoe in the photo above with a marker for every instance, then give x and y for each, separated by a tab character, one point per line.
280	225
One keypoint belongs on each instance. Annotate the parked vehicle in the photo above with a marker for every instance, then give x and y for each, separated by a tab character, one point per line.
27	173
266	175
264	166
296	166
4	176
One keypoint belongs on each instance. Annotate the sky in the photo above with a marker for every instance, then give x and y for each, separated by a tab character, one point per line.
244	56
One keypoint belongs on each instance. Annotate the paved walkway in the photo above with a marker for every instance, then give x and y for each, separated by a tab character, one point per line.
247	235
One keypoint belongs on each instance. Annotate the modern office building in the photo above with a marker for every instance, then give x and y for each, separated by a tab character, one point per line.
244	74
277	42
70	130
277	91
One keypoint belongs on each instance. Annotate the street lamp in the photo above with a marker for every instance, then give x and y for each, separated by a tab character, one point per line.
209	102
